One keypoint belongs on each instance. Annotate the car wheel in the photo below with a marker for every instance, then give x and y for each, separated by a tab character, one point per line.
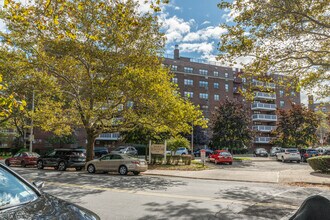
61	166
283	160
298	161
7	162
23	163
78	168
122	170
230	163
183	154
91	168
136	173
40	165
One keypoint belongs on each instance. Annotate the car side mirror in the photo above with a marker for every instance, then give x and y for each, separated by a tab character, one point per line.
39	184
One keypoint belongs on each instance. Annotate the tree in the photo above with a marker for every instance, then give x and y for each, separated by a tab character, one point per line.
177	142
61	140
290	37
102	57
296	127
231	126
323	129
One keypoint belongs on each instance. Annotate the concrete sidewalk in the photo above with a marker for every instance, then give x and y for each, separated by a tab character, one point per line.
286	176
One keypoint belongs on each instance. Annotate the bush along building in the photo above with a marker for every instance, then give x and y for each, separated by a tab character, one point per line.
206	84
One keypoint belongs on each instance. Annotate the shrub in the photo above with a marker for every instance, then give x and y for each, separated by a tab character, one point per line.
186	159
321	163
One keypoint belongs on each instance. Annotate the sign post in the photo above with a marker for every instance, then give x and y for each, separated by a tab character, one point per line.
203	153
149	151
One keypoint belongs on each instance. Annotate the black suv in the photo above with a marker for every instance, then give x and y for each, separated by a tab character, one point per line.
63	158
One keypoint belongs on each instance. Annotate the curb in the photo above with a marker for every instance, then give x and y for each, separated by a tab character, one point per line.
207	178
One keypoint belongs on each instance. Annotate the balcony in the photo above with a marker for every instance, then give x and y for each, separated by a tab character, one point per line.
108	136
263	128
263	106
264	95
262	140
264	84
264	117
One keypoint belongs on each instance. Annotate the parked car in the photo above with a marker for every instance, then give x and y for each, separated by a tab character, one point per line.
20	199
121	163
23	159
274	151
179	151
308	153
321	150
327	152
289	154
100	151
221	156
125	150
197	153
63	158
260	152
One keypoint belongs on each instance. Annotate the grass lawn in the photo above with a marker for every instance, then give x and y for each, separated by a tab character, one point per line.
194	166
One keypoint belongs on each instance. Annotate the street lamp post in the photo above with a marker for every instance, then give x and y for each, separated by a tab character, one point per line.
192	138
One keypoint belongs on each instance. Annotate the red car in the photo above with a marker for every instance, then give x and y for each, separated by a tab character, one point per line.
23	159
221	156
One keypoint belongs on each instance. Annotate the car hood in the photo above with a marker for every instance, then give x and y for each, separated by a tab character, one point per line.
48	207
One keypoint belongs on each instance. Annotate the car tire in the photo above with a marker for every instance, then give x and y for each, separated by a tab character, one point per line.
123	170
230	163
61	166
7	162
91	168
40	165
283	161
136	173
23	163
183	154
79	168
298	161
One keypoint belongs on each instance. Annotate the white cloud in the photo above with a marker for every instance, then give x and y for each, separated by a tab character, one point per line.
204	34
204	47
175	28
206	22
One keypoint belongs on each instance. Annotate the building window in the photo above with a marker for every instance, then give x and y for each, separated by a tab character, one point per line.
226	75
216	73
203	72
293	93
188	69
203	95
175	80
216	85
203	84
189	94
216	97
281	93
189	82
281	104
174	68
227	87
244	80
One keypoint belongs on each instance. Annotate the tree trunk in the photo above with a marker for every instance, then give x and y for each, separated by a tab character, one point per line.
90	147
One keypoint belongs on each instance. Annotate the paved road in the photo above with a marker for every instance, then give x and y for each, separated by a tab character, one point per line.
113	196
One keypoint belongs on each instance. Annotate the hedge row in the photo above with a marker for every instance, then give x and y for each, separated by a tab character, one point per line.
321	163
171	160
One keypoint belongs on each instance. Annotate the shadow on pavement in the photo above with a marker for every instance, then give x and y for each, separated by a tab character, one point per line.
319	174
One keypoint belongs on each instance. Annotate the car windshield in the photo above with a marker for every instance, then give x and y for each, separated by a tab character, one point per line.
33	154
13	192
225	154
312	151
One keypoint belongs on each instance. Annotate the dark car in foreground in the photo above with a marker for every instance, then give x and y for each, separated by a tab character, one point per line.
21	200
62	159
23	159
308	153
260	152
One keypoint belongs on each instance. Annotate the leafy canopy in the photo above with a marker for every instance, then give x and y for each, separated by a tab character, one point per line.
290	37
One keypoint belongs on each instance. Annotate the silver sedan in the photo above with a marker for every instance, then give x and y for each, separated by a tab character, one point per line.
121	163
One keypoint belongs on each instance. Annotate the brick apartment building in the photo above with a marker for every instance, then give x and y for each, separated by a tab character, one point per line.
318	106
208	83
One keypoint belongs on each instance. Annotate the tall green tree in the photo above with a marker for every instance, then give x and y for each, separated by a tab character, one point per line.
103	59
290	37
323	129
231	126
296	127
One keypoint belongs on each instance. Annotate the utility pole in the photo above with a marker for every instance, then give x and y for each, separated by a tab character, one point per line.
31	138
192	138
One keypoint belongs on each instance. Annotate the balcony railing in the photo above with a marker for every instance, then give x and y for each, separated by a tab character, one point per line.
263	128
264	84
262	140
264	95
264	117
263	106
108	136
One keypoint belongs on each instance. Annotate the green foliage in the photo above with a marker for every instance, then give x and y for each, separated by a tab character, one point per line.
61	140
171	160
296	127
177	142
93	59
321	163
289	37
231	126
